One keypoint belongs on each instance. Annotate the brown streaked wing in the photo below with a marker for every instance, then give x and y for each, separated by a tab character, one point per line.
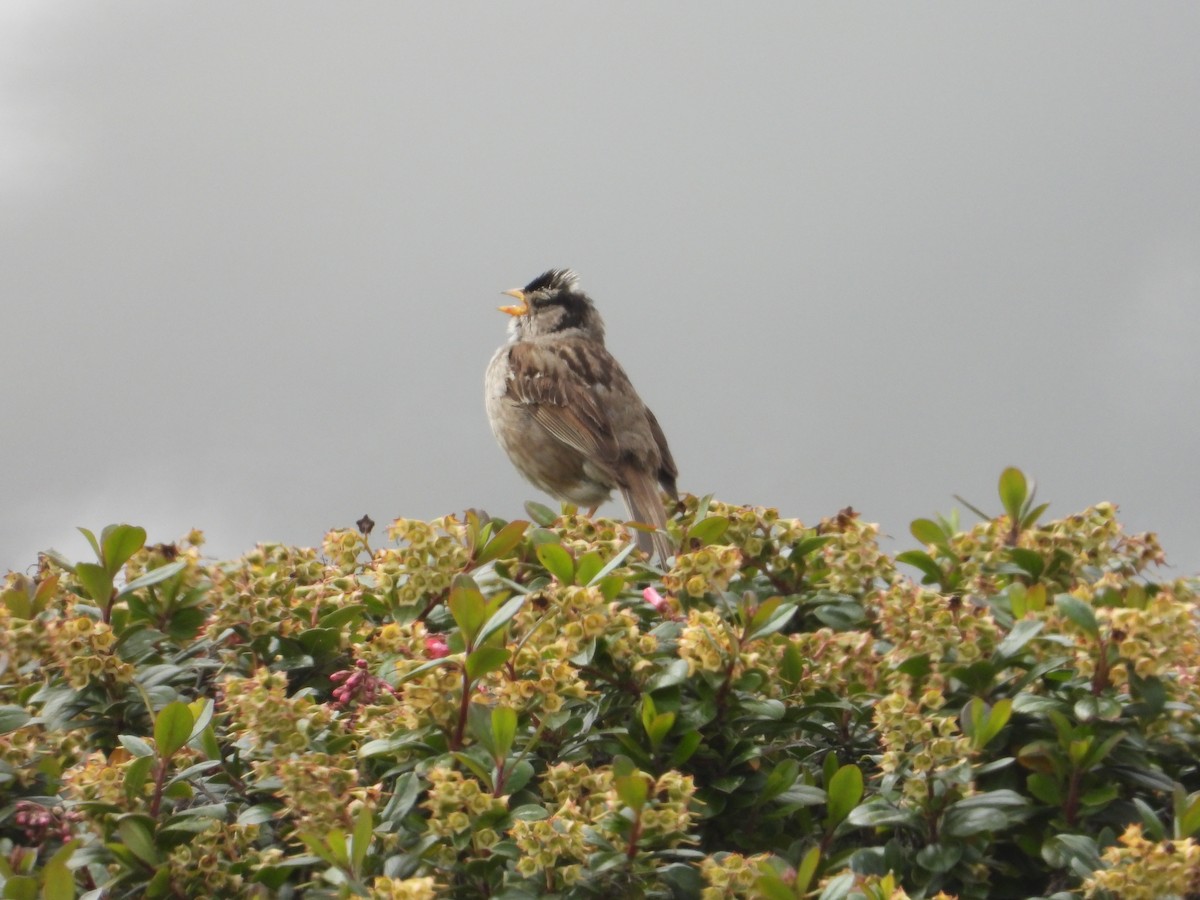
559	400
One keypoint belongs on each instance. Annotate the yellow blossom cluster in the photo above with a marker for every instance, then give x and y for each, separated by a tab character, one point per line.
421	888
97	779
432	553
262	717
1160	639
731	876
25	645
320	791
1140	869
920	621
455	802
592	790
845	662
705	571
705	643
343	547
85	649
431	698
538	678
668	814
852	561
152	556
568	614
255	595
203	865
580	534
556	845
920	741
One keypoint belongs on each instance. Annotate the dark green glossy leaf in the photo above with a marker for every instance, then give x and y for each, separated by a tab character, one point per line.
927	532
96	580
541	514
1078	611
485	659
558	562
1013	491
118	543
154	576
503	542
708	531
845	789
172	728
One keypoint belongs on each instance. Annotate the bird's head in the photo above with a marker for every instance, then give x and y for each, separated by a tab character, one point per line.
553	304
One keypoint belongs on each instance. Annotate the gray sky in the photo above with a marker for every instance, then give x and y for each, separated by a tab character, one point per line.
250	254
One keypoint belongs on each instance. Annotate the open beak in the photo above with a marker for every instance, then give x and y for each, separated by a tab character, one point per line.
517	309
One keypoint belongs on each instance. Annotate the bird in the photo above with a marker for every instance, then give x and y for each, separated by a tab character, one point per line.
566	413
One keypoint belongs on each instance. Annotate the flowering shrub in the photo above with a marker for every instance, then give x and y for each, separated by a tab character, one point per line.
481	708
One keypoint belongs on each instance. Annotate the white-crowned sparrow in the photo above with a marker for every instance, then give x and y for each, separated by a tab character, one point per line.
566	414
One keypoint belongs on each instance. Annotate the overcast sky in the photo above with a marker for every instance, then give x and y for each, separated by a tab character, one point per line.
850	254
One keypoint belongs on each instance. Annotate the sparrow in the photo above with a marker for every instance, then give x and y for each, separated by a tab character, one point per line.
566	413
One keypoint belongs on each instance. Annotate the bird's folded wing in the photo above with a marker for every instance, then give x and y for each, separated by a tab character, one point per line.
561	402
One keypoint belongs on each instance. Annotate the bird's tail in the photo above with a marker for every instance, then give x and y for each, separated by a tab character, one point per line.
644	504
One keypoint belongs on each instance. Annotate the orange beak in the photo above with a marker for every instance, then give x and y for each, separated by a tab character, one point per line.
517	309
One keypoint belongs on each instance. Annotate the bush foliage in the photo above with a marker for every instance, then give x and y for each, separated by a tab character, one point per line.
481	708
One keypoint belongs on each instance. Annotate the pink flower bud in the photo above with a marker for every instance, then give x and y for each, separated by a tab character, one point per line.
436	646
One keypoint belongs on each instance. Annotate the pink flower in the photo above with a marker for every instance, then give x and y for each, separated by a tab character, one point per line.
655	599
436	646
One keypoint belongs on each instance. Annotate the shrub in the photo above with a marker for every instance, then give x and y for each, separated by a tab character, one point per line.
497	709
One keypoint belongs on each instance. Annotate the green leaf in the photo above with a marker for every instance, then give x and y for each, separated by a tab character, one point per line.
588	566
1033	515
1045	788
467	606
961	823
1021	634
770	884
154	576
540	513
137	772
782	777
500	618
602	576
502	542
939	857
58	881
20	887
135	745
927	531
12	718
776	619
806	871
878	813
485	659
504	730
172	728
118	543
708	531
791	667
1029	560
1079	612
633	790
364	827
1187	814
845	789
1013	491
923	562
687	746
137	834
91	539
96	580
558	562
